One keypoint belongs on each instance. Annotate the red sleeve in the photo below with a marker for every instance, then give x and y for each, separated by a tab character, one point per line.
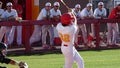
112	15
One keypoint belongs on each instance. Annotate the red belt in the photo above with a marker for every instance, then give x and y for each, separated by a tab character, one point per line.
65	45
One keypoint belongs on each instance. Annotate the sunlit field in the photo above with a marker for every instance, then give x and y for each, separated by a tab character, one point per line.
92	59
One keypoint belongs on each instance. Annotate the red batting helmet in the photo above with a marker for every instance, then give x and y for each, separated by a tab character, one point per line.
66	18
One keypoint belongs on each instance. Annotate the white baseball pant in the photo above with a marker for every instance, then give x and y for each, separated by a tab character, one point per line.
55	32
48	28
113	31
36	36
71	55
84	32
4	30
12	34
92	30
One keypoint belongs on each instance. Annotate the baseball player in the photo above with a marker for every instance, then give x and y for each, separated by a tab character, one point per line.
43	15
19	10
36	36
9	15
47	28
1	12
6	60
99	13
77	12
55	12
67	30
113	29
86	13
55	15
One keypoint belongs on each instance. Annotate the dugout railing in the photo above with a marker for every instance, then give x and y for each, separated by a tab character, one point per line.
29	23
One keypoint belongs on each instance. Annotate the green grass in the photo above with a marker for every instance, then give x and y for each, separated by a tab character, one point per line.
92	59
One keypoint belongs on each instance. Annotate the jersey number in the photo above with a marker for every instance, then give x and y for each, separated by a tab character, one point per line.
64	37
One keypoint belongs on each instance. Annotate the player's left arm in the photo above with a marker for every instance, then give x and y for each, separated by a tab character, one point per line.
13	62
71	11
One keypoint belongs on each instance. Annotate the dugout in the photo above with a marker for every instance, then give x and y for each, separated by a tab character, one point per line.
109	5
31	8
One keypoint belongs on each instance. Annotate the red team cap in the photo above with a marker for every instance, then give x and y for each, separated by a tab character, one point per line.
66	18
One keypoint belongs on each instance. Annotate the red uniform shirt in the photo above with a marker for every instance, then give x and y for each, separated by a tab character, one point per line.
115	14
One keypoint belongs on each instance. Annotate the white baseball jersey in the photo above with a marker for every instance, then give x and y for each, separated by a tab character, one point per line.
43	14
1	12
77	14
7	14
36	36
67	33
6	30
55	13
85	12
98	12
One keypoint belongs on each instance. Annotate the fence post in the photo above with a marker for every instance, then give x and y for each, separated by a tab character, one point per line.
97	29
27	37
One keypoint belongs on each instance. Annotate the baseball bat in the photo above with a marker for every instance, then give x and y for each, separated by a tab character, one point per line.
64	4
